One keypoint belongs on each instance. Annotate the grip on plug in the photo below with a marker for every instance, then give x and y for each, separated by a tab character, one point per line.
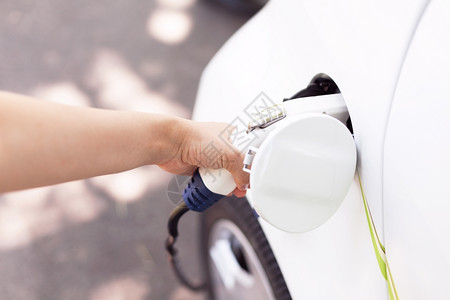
197	196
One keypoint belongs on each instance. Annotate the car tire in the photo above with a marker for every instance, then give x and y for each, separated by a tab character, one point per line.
239	261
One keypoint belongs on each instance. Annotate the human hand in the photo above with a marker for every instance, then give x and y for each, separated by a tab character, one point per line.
206	145
103	142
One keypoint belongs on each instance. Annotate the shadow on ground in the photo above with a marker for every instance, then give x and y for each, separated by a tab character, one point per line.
102	238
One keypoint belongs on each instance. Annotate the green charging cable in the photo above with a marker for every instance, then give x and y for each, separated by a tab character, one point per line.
380	251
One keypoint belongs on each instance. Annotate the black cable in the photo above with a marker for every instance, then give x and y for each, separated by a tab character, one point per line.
172	224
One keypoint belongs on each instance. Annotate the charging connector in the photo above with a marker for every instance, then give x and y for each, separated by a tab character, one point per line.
207	186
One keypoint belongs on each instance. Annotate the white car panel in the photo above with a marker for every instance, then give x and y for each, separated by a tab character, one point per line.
361	45
417	164
334	261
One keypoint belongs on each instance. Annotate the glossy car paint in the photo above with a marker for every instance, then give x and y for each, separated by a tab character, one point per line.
390	61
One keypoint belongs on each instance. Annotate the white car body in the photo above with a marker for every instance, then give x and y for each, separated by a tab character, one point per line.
391	61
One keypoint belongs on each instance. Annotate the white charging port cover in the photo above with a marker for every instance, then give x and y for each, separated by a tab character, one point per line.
302	172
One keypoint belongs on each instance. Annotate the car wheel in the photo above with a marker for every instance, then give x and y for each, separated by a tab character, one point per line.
239	261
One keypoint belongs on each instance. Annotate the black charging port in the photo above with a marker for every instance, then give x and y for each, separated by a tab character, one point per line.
320	85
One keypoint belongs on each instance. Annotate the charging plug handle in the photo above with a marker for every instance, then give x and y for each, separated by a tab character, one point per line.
197	196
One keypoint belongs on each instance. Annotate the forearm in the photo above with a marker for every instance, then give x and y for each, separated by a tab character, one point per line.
44	143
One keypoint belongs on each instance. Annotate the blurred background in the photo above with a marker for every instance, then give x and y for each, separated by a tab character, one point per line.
103	238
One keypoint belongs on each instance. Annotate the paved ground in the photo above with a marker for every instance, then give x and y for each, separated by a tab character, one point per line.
102	238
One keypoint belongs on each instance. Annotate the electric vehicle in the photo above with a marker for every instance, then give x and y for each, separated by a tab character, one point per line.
390	237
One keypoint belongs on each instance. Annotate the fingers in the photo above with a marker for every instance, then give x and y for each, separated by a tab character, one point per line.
239	193
209	146
234	165
241	179
232	160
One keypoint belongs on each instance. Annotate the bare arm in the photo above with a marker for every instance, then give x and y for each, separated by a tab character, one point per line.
43	143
